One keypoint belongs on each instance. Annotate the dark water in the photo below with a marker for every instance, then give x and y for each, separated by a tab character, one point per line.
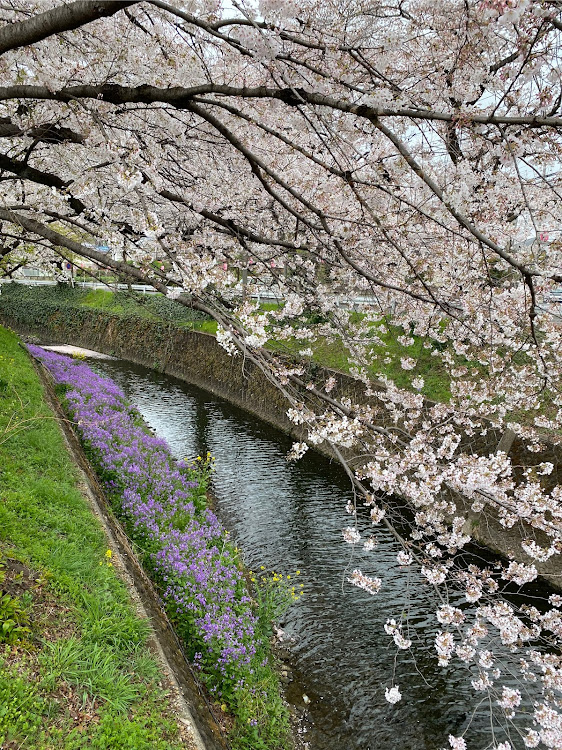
289	516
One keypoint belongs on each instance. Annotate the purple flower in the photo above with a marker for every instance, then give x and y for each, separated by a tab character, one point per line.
193	564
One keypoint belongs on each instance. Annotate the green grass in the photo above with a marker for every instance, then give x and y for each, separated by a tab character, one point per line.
206	326
82	677
29	305
383	360
101	299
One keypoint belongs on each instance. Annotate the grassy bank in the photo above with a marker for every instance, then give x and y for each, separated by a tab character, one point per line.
74	668
32	305
384	361
28	304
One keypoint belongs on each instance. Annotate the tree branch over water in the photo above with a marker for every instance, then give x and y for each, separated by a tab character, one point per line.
392	178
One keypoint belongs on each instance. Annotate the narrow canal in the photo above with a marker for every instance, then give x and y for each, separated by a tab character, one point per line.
288	517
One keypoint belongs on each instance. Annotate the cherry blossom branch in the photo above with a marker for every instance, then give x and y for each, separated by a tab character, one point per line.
56	20
25	172
180	97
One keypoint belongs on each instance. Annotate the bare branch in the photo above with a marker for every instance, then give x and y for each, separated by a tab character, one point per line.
180	97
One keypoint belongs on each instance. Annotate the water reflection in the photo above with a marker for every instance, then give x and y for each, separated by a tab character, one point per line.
289	517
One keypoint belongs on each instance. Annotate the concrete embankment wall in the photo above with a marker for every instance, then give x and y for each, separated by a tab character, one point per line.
197	358
191	356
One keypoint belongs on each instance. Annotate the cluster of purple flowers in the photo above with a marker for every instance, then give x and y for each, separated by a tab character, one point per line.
183	542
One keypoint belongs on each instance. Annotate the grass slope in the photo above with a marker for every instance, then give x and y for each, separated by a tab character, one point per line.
74	668
30	305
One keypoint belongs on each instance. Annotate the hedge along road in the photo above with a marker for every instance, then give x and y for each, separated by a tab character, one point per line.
288	517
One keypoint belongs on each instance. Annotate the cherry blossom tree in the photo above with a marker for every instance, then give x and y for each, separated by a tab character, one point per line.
406	152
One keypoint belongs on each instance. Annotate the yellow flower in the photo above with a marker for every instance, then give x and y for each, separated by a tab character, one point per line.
109	554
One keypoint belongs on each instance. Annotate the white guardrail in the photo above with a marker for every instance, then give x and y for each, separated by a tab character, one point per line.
265	295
